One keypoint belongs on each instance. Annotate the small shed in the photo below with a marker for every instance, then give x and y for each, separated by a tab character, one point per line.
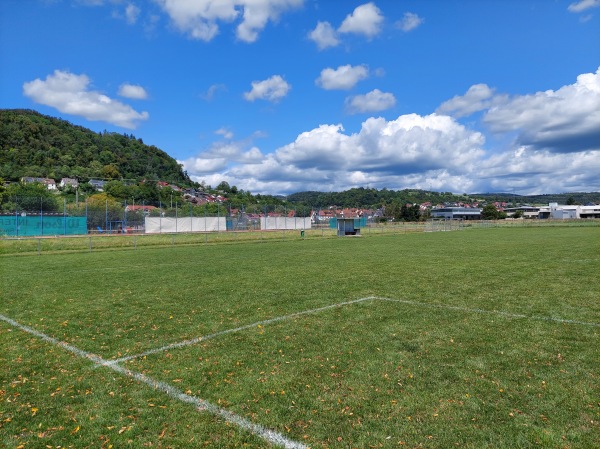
348	226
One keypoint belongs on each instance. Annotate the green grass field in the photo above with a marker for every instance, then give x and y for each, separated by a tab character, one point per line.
481	338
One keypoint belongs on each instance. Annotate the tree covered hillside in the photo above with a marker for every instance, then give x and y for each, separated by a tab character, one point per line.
36	145
373	198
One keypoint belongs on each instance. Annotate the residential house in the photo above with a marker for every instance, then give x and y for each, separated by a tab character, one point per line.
49	183
64	182
163	184
97	184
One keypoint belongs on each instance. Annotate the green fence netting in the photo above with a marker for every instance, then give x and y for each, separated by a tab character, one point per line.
40	225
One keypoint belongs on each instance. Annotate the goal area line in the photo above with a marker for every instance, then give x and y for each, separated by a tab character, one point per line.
197	340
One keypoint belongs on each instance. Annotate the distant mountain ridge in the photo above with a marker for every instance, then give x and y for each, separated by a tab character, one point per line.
37	145
369	197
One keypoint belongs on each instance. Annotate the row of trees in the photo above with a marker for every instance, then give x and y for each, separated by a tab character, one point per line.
405	212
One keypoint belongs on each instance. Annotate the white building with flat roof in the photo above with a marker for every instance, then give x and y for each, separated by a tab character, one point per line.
456	212
568	212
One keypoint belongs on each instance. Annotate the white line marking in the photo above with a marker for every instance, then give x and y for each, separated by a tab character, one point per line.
97	360
196	340
271	436
490	312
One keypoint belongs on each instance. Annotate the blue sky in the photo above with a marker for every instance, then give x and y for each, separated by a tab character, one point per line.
282	96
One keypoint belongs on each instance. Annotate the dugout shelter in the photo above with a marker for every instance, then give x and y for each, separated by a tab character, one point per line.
348	226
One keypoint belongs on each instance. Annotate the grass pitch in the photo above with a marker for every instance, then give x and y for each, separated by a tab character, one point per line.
471	339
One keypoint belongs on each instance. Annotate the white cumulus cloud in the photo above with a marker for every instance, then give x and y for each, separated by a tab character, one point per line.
409	22
409	145
203	166
566	120
200	18
344	77
582	5
533	171
324	36
258	12
365	19
373	101
412	151
222	156
324	147
477	98
133	91
272	89
69	93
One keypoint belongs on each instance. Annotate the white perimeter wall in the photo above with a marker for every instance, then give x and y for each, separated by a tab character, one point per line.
157	225
285	223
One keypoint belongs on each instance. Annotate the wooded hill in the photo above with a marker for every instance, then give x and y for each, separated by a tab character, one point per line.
373	198
36	145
